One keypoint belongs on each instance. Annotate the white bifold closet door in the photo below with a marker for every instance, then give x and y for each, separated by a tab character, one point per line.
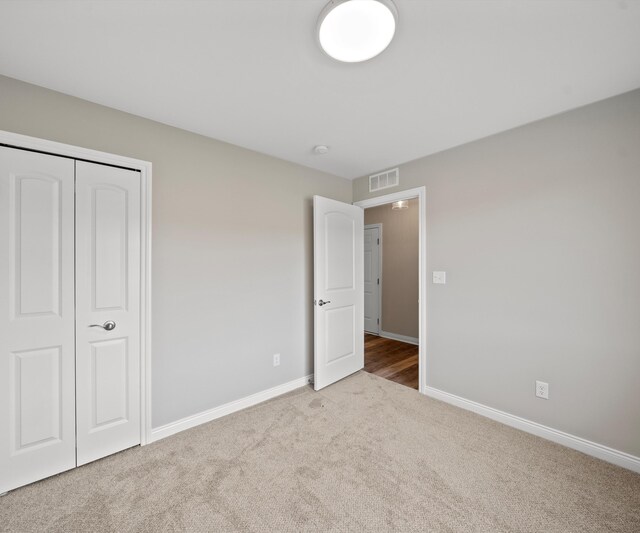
37	322
69	270
107	291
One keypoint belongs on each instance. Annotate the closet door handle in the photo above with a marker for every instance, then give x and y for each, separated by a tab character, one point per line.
108	325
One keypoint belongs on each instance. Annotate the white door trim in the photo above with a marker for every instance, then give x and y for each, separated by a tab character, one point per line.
379	226
75	152
420	193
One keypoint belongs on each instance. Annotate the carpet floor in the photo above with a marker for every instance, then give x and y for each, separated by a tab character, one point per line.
365	454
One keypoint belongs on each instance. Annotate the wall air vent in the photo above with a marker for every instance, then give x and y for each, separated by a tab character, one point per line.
384	180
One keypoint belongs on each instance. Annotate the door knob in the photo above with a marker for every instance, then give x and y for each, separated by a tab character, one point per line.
321	303
108	325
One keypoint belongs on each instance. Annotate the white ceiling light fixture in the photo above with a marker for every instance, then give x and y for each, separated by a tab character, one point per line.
356	30
320	149
400	204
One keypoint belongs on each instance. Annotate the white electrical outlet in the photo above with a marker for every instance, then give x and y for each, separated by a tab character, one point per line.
276	359
542	390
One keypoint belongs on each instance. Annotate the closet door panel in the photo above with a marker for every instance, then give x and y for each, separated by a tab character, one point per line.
37	343
107	291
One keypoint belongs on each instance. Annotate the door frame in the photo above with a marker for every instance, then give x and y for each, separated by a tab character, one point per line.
25	142
420	193
379	226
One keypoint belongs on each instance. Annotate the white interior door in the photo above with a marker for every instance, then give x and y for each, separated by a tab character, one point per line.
107	291
338	234
37	398
372	279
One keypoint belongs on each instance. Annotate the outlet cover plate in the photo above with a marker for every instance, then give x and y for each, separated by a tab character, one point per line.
542	390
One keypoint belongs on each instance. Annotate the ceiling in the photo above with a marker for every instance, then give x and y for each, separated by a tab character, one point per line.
250	72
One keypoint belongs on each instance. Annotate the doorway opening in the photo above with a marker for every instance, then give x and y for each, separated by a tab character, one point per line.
394	286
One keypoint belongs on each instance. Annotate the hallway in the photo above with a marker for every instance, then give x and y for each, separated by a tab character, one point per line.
390	359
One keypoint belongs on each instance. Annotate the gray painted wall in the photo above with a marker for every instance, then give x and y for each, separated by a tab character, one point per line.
538	229
400	263
232	249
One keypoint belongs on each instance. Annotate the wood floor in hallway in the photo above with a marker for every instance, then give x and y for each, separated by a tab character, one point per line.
390	359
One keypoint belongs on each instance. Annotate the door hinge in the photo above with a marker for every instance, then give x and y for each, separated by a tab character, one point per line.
378	242
378	321
378	281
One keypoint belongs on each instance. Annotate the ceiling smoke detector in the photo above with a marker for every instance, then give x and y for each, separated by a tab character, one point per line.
356	30
321	149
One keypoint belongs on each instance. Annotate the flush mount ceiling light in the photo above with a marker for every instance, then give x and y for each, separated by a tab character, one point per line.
356	30
400	204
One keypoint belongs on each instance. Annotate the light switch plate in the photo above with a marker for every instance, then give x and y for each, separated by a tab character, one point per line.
439	277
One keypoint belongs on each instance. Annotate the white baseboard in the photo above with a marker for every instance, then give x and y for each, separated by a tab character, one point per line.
605	453
226	409
397	337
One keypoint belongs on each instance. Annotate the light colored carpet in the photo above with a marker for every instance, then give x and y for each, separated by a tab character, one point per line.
365	454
